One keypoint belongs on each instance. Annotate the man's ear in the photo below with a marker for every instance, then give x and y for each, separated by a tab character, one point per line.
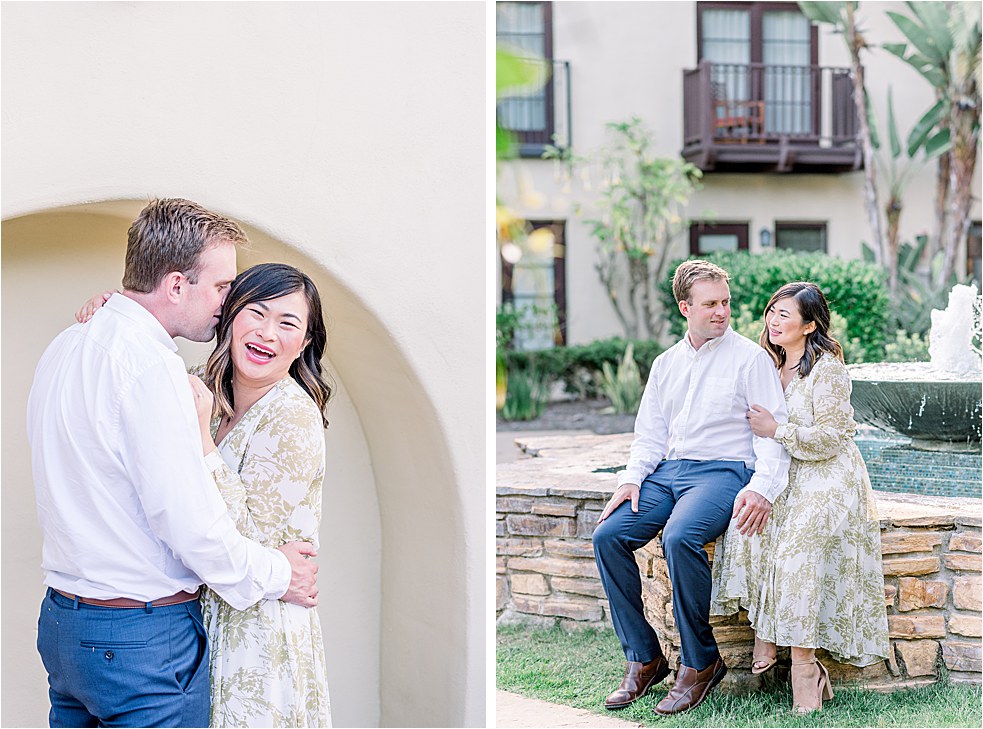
173	286
684	308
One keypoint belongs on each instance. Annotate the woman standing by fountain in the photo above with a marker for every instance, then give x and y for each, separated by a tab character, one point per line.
812	577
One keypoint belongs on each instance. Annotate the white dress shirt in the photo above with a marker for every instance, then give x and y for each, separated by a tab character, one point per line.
126	504
695	407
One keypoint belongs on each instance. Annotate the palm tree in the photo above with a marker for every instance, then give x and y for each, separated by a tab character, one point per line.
943	45
897	165
843	17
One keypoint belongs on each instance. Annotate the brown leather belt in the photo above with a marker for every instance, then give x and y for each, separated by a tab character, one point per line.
126	602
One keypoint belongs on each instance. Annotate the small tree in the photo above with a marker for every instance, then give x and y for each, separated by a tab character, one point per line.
642	201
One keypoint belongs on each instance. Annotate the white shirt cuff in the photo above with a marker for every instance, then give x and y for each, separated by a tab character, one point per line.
762	490
281	576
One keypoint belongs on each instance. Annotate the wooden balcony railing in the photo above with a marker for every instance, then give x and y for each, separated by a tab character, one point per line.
764	117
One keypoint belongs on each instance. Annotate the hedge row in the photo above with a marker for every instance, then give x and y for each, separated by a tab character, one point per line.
576	365
854	289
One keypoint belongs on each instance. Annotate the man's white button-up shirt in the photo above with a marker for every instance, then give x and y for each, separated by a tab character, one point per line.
126	504
695	407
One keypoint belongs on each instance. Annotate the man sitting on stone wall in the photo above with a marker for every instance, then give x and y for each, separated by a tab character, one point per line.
694	464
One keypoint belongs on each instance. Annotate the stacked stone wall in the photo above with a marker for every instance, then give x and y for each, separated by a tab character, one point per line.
931	548
546	569
931	593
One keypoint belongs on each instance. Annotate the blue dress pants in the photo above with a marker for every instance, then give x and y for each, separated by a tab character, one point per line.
126	667
690	502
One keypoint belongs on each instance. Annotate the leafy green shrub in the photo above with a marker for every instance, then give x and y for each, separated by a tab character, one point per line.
511	322
507	320
579	366
501	378
624	386
853	288
854	352
528	393
746	322
906	348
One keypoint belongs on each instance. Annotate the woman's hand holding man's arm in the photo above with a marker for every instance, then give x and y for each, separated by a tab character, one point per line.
763	423
203	407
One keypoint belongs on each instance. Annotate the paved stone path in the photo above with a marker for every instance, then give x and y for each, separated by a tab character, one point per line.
512	710
506	451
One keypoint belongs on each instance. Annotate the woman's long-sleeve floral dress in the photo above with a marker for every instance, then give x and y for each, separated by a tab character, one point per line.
813	578
267	662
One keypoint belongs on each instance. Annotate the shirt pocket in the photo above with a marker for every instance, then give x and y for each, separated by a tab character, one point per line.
718	395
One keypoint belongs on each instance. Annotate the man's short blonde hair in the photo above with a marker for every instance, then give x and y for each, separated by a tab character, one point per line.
689	272
170	235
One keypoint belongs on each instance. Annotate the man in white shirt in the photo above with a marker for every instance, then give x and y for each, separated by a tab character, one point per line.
131	520
693	465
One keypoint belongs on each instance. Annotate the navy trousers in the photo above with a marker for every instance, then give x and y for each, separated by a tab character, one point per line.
690	502
126	667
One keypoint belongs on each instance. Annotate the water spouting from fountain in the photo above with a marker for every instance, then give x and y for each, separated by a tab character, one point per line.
952	353
938	404
950	345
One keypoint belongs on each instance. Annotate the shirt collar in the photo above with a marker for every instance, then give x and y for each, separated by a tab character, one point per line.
130	309
711	344
714	343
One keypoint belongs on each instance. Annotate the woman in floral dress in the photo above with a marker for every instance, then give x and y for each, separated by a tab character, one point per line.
267	662
812	578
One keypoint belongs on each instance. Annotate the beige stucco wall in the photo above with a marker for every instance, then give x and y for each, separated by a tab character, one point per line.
321	127
627	58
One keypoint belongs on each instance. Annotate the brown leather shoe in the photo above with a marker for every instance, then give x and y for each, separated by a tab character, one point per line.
639	677
691	688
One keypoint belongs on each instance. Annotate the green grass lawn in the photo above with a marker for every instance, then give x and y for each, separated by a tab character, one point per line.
580	669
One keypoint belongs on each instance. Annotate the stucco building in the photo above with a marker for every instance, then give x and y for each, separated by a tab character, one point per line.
748	91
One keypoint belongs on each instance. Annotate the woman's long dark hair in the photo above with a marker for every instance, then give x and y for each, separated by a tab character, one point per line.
812	308
262	283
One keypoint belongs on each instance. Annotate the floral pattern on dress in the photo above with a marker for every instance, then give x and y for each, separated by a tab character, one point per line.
267	661
813	578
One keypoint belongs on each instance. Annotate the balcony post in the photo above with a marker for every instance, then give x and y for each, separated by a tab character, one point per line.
708	112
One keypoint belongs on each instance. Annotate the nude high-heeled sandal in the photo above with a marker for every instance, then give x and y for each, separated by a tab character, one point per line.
810	689
768	661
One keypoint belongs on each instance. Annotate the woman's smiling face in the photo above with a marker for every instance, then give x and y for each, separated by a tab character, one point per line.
785	326
267	336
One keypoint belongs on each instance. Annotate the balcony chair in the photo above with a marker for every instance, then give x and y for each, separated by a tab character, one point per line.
736	120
